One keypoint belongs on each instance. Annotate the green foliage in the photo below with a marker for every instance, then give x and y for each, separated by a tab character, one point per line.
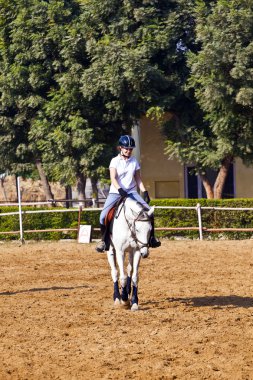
76	74
210	218
40	221
137	52
163	218
221	75
31	34
213	131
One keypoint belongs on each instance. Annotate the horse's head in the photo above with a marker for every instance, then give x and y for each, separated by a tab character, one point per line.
139	222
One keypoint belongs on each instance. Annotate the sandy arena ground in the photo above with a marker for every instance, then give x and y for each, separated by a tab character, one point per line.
195	320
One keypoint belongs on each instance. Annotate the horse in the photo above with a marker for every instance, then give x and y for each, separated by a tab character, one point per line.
129	232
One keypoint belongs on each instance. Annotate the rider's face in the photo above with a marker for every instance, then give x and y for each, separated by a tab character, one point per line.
126	151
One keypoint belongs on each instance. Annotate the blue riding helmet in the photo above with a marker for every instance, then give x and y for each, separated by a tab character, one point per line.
126	141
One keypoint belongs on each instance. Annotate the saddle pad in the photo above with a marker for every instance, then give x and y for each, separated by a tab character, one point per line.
110	215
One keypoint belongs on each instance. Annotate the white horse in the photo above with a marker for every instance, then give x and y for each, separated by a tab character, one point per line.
130	232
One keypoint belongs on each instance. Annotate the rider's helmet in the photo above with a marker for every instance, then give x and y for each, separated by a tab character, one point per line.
126	141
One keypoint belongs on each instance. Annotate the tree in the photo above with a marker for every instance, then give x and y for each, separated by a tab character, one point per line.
221	77
71	132
137	52
31	35
117	64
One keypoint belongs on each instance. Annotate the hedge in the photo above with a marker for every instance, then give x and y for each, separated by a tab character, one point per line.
39	221
163	218
210	218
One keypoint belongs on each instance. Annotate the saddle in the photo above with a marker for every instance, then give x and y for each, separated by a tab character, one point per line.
110	215
109	220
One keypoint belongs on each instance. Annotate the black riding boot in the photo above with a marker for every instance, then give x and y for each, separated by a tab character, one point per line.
153	242
103	245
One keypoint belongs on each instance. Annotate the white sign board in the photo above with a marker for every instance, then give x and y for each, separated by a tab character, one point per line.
84	234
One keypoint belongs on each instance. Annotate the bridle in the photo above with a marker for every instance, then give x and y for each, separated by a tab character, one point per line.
142	216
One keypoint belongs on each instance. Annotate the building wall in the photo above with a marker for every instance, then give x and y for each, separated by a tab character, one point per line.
163	178
243	180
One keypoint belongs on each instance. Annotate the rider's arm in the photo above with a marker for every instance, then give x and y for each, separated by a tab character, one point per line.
138	180
113	176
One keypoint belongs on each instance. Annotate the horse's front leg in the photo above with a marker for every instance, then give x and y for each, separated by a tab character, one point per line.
123	277
114	274
135	279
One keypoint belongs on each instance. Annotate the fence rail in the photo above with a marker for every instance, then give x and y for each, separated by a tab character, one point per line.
200	228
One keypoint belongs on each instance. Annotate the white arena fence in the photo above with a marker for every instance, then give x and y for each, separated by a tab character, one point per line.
198	208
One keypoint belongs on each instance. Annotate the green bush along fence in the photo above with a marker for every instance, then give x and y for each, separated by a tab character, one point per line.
164	218
47	220
211	219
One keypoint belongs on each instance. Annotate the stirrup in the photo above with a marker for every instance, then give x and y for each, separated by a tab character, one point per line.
153	243
101	247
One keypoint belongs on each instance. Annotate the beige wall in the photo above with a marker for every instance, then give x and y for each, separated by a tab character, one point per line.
163	178
243	180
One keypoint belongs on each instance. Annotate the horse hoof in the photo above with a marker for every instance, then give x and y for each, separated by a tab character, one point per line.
117	302
134	307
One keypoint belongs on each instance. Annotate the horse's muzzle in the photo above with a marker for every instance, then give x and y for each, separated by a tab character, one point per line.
144	252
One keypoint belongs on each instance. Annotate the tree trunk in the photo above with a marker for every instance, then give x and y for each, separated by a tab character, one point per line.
207	186
81	184
3	189
68	195
221	177
94	191
44	180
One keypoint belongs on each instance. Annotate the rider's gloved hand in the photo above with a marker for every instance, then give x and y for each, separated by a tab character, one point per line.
146	197
122	192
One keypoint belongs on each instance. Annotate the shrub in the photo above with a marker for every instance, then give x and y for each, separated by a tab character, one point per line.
210	218
163	218
41	221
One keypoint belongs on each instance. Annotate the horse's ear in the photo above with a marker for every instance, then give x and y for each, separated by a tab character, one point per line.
151	211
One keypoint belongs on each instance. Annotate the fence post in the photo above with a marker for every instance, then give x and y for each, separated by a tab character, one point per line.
20	212
79	219
198	207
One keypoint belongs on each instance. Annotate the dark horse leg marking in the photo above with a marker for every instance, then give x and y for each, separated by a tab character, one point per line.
128	285
124	294
134	296
116	293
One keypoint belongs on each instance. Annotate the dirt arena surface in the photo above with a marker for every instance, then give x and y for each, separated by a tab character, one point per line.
195	320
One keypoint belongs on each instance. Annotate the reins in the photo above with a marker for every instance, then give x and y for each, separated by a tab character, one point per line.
133	230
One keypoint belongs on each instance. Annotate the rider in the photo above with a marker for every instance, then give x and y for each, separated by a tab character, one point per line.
125	177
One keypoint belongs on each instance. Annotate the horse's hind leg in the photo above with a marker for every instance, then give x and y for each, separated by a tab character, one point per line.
128	285
129	273
124	295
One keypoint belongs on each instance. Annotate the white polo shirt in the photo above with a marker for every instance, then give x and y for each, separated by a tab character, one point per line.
125	173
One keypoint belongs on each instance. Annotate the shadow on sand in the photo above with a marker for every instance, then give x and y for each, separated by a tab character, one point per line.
44	289
217	302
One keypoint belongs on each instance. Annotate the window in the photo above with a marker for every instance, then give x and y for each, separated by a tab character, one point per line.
195	189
